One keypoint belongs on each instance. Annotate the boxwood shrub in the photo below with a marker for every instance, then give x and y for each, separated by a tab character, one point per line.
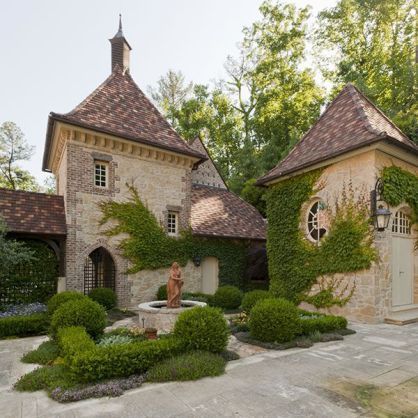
104	296
202	329
60	298
83	312
227	297
23	326
322	323
188	366
274	320
73	341
251	298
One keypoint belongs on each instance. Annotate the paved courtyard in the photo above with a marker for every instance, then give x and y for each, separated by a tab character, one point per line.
371	373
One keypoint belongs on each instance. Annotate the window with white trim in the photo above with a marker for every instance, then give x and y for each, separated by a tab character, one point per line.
317	221
100	174
401	223
172	223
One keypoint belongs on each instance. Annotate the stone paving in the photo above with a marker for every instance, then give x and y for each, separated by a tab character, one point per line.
314	382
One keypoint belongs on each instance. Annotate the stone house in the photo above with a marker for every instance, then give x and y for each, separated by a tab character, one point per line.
114	138
352	142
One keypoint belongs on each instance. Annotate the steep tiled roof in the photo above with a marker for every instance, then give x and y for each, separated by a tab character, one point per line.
119	107
220	213
33	213
351	121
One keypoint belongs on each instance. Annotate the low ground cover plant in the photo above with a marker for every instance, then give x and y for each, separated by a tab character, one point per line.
46	353
227	297
189	366
22	309
104	296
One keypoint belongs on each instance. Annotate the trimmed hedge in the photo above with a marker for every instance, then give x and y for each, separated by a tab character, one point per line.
188	366
23	326
72	341
84	312
60	298
122	360
202	329
251	298
323	324
275	320
227	297
104	296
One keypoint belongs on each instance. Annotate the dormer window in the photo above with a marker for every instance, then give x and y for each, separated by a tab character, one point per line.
172	223
100	174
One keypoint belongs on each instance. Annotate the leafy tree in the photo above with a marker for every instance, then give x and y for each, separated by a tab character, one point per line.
50	185
170	93
371	43
14	148
254	195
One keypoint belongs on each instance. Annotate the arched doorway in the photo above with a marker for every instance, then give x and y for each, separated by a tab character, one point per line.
99	270
210	273
402	260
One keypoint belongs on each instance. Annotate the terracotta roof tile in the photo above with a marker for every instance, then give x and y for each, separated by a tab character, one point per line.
349	122
218	212
119	107
33	213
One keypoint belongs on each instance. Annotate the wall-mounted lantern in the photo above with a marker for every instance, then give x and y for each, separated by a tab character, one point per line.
379	209
197	259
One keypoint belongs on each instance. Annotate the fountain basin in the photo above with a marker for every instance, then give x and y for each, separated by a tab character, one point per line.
155	314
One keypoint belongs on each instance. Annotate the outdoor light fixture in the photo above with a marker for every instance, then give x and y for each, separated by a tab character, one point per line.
380	210
197	260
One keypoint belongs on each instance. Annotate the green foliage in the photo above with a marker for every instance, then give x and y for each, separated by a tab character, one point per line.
29	270
227	297
189	366
104	296
294	262
60	298
322	324
202	329
23	326
107	340
47	352
251	298
73	341
123	360
274	320
401	186
372	44
149	247
162	292
46	378
254	195
199	297
85	313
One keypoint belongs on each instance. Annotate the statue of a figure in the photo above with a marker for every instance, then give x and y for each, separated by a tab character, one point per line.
174	286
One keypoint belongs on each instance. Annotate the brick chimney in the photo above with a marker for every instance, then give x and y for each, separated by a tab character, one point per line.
120	49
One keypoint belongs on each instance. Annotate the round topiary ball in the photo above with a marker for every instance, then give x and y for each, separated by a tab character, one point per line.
251	298
104	296
84	312
227	297
60	298
274	320
202	329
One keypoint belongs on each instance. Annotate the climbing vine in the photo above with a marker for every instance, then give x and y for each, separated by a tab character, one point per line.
148	246
295	264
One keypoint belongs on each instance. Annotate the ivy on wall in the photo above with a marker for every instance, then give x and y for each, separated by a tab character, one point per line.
294	262
148	247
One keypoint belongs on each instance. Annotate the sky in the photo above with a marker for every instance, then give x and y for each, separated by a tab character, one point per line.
55	53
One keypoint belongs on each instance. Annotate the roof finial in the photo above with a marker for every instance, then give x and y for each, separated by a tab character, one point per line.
120	22
119	33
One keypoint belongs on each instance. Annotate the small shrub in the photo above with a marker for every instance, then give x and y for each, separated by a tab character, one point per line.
83	312
251	298
322	324
274	320
107	340
198	296
23	326
227	297
122	360
72	341
162	292
45	378
60	298
202	329
189	366
47	352
104	296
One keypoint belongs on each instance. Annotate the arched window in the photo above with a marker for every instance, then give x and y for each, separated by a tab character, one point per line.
401	223
316	221
99	270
